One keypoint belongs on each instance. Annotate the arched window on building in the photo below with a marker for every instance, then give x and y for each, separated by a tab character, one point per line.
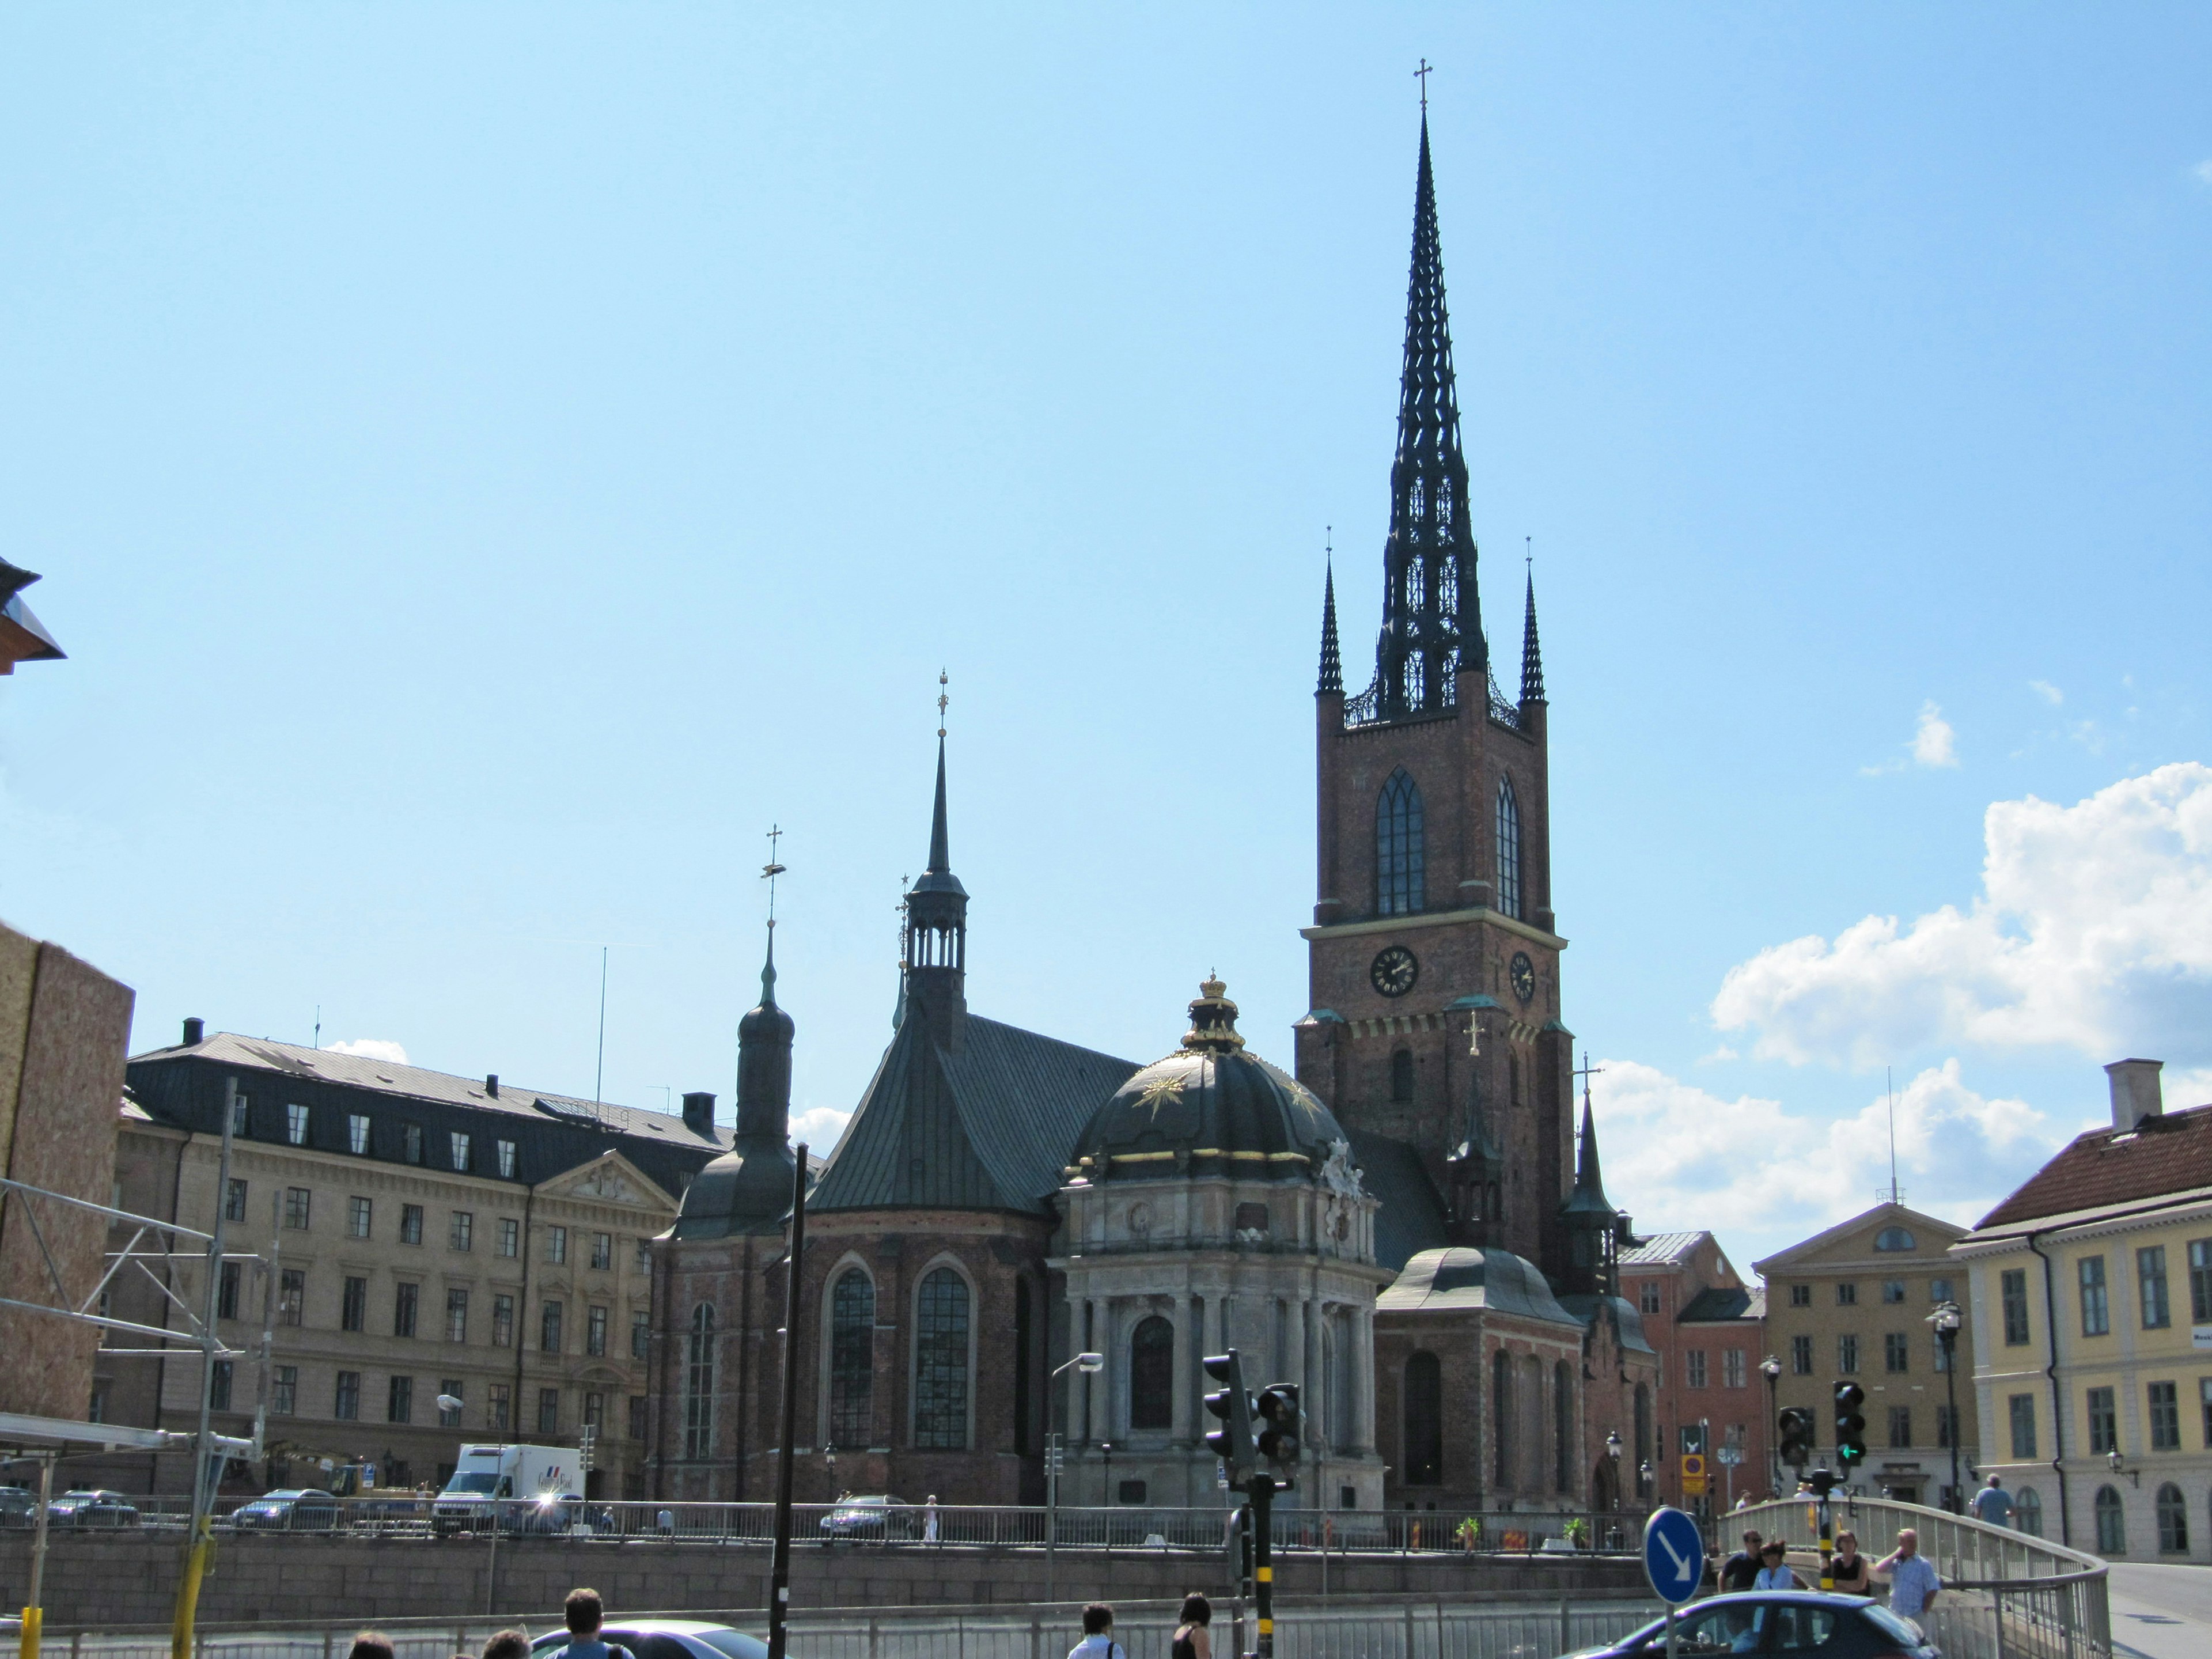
2027	1508
1424	1420
1563	1428
852	1359
1508	849
699	1385
1400	862
1401	1075
940	1362
1151	1374
1501	1418
2111	1523
2173	1521
1895	1238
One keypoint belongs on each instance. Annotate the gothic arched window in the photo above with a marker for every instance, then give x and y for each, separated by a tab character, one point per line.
1501	1418
1424	1420
2029	1508
1509	850
1401	1075
1152	1374
1562	1427
699	1385
1399	861
852	1359
940	1363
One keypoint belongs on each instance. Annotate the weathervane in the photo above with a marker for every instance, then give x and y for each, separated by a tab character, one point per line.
771	870
941	701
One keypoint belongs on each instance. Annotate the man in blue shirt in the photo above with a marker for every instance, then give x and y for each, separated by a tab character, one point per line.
583	1613
1993	1504
1912	1582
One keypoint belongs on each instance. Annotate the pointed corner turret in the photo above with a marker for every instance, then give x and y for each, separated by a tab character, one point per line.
1532	654
934	974
1332	663
1592	1223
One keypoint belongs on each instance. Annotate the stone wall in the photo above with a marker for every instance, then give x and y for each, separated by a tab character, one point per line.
105	1580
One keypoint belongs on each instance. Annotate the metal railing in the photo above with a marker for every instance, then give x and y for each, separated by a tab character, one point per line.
1405	1532
2006	1595
1508	1627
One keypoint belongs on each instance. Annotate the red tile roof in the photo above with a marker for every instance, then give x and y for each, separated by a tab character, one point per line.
2171	1153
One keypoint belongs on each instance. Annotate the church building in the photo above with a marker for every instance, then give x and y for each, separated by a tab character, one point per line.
1406	1222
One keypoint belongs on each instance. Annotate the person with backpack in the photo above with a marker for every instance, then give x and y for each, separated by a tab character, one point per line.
584	1611
1098	1641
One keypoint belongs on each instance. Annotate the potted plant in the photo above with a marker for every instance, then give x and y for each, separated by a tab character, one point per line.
1578	1533
1469	1533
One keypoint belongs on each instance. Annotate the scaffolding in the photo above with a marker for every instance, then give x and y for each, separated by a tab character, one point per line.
150	1244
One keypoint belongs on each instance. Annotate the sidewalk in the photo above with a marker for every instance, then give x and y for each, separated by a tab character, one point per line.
2161	1612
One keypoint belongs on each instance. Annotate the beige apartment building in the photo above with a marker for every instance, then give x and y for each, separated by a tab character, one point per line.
1855	1303
432	1235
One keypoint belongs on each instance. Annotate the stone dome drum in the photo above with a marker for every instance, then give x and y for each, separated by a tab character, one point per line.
1210	1108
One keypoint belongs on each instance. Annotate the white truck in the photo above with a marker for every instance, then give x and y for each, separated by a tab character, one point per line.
518	1488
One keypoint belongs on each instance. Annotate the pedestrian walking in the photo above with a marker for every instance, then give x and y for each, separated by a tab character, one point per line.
1913	1581
508	1645
1192	1640
371	1644
1993	1504
929	1520
1774	1568
1848	1569
583	1612
1741	1570
1098	1641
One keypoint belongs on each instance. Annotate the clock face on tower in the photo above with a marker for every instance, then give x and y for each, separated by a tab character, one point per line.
1394	971
1524	977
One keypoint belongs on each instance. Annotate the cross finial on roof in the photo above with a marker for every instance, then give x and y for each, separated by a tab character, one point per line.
1422	75
771	870
942	699
1586	1072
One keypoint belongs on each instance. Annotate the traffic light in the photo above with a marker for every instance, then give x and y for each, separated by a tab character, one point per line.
1796	1427
1232	1441
1281	1421
1850	1427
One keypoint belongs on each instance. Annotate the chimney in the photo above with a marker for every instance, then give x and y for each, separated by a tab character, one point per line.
2135	1091
491	1084
195	1032
699	1113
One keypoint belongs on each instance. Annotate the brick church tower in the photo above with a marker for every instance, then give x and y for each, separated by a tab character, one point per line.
1434	958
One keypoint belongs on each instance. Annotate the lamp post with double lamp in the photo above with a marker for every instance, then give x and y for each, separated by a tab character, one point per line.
1947	1319
1771	1369
1054	1454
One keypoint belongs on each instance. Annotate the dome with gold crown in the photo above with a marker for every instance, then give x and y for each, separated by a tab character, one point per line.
1209	1108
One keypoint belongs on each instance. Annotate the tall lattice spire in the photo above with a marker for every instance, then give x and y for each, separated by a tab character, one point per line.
1429	561
1531	655
1332	665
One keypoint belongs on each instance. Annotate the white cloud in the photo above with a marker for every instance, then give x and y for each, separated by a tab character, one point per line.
822	1127
1933	742
2092	932
2049	693
371	1049
1677	1157
2204	172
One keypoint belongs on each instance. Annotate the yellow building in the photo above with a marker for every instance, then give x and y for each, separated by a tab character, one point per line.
2104	1437
1854	1303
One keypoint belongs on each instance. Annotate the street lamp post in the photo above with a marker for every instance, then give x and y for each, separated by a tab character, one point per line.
1054	1454
1771	1369
1947	1319
1613	1482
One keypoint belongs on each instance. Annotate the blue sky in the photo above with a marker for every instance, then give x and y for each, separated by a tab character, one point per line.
488	463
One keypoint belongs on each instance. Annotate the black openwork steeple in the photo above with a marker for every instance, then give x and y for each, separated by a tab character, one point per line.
1332	664
1429	561
1532	656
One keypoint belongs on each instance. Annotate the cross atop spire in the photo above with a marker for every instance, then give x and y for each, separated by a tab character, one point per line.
1429	559
1422	75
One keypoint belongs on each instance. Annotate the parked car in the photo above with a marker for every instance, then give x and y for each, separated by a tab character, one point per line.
1772	1622
93	1507
879	1516
19	1506
668	1639
290	1509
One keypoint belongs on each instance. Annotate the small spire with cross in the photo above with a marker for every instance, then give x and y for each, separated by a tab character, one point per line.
1422	75
1586	1072
942	699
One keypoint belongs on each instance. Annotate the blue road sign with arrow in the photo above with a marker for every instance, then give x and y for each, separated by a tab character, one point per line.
1674	1555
